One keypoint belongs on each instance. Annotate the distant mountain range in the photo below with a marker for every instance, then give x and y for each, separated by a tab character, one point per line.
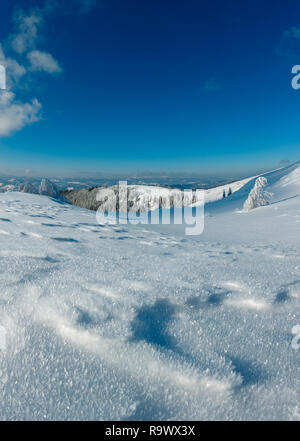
184	181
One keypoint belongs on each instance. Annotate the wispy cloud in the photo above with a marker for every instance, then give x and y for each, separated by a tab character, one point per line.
20	58
43	61
289	44
27	30
86	5
23	53
210	86
293	32
15	70
16	115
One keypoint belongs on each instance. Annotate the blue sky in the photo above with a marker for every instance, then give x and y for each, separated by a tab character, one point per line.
121	85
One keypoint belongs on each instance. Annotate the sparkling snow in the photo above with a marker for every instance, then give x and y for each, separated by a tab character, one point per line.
132	322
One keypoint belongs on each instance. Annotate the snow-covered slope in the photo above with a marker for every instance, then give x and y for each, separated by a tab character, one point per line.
143	322
146	197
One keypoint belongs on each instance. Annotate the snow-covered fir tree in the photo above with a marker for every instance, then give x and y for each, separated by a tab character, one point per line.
47	188
27	187
258	196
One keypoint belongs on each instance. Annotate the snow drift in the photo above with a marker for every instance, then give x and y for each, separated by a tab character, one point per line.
142	322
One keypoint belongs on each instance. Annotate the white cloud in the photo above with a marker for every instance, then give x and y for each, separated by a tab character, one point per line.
14	70
27	27
21	45
23	55
15	115
43	61
28	35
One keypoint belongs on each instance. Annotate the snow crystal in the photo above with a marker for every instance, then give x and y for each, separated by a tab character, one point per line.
101	326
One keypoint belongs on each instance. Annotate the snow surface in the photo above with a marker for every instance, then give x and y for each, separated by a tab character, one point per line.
142	322
146	197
